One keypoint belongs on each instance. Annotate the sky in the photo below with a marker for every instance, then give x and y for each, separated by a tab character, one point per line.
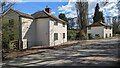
32	7
67	7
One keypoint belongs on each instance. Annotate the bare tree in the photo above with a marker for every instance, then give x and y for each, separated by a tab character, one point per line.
82	12
4	6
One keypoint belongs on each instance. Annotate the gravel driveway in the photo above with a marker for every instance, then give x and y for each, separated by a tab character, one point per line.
102	53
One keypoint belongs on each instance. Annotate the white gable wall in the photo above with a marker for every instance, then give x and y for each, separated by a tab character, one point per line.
101	30
42	35
28	32
96	30
57	29
108	32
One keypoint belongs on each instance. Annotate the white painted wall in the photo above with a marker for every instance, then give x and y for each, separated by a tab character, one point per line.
108	32
42	35
41	32
57	29
101	30
28	32
96	30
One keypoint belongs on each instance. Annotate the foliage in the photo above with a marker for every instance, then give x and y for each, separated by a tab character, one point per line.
13	44
63	17
98	15
72	34
116	28
6	6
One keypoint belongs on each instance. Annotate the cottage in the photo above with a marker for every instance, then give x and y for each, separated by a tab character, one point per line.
40	28
99	30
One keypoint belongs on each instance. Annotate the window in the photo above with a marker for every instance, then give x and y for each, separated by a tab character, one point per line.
55	36
63	24
89	28
106	35
110	35
56	22
63	35
97	35
105	27
110	28
89	36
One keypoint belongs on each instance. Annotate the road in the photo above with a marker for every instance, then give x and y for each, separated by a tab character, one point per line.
101	53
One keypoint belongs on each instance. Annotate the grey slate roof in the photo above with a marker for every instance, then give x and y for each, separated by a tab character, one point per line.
44	14
98	24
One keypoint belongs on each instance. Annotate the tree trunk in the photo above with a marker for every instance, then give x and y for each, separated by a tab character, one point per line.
82	12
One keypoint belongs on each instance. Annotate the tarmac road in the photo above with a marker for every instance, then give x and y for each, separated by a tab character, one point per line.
102	53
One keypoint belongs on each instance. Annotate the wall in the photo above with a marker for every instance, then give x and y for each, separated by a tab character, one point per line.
28	32
108	32
57	29
5	23
42	35
96	30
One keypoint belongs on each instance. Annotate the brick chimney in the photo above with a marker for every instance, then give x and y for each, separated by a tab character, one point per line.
47	9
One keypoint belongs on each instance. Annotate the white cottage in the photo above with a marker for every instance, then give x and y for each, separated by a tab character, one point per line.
99	30
40	28
49	30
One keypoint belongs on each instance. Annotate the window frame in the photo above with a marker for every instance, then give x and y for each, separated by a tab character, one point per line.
63	24
56	22
55	36
63	35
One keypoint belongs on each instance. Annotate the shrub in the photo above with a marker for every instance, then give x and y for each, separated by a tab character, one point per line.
12	44
72	34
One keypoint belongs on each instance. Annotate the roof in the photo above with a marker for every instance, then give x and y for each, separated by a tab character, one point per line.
98	24
44	14
20	13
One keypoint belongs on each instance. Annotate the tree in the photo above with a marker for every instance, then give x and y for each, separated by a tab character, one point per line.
4	6
63	17
115	27
82	14
98	15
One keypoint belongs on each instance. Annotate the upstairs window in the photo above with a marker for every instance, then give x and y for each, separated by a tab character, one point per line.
63	24
110	28
55	36
56	22
106	27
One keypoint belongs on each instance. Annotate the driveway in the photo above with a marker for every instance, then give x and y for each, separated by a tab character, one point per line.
101	53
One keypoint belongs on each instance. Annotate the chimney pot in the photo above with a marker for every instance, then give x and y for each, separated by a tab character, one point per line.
47	9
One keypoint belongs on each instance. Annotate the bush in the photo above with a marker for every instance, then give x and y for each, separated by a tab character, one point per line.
13	44
71	34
